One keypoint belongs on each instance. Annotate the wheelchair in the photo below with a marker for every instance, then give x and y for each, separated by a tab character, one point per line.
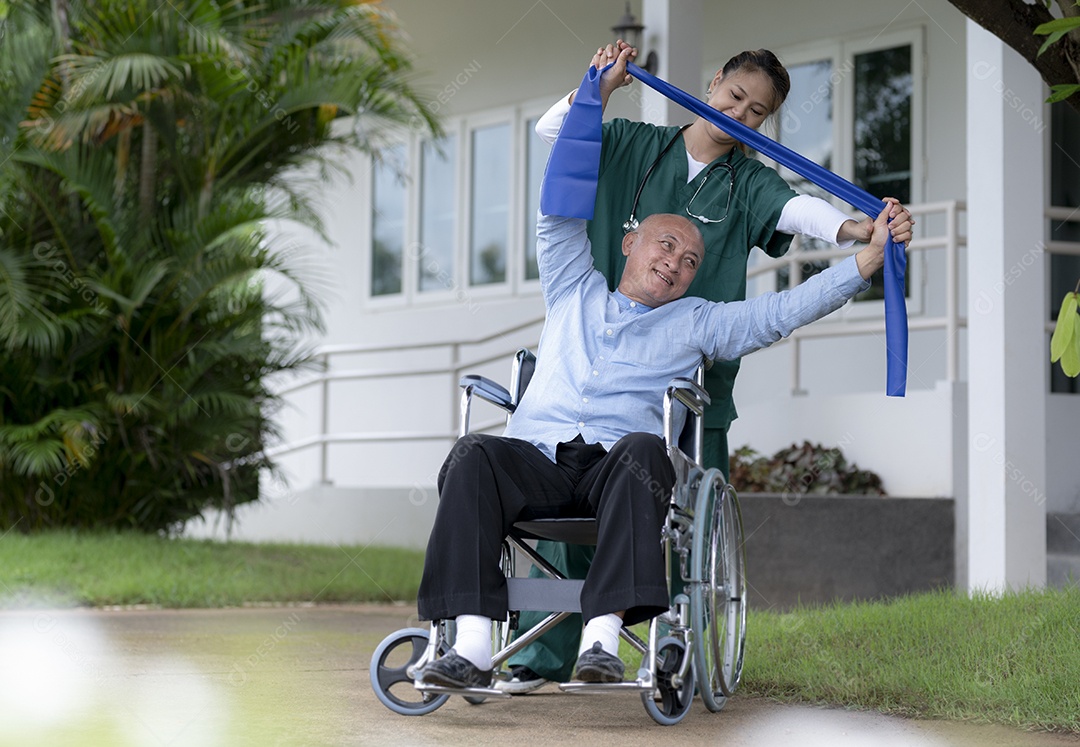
695	647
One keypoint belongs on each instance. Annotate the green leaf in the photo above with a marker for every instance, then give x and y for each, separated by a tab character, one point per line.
1050	40
1062	91
1058	24
1065	343
1070	361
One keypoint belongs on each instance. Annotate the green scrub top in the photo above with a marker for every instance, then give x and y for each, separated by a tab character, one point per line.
629	148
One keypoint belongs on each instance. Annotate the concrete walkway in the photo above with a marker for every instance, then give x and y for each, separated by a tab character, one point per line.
299	676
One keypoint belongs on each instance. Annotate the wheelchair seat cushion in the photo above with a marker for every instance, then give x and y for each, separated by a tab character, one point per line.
574	531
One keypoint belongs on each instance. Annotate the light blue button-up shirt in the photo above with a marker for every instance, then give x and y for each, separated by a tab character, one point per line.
604	361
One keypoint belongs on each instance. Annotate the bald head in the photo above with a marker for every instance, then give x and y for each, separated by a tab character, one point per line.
681	220
662	258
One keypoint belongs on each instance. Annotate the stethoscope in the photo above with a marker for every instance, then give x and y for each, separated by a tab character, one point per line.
631	223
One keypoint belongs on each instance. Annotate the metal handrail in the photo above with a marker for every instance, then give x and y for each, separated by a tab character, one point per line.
951	321
948	240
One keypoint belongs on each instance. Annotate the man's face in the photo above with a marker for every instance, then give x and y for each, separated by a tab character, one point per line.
662	257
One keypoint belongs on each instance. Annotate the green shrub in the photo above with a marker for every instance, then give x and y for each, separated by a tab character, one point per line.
809	468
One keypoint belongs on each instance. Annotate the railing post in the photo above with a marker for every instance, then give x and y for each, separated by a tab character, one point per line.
455	376
796	353
952	322
324	420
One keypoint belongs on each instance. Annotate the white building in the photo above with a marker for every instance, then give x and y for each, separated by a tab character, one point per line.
432	274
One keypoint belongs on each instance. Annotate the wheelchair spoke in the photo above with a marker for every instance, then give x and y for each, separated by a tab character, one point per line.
718	604
390	678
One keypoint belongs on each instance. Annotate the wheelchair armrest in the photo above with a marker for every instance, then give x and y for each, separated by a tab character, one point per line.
692	396
489	390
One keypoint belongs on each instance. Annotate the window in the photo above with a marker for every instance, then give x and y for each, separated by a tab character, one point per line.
882	126
807	128
490	211
388	222
536	161
882	134
456	217
853	108
1064	192
438	215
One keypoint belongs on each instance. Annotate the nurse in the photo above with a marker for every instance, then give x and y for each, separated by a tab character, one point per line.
737	202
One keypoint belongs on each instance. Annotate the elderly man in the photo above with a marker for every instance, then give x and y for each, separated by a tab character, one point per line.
589	428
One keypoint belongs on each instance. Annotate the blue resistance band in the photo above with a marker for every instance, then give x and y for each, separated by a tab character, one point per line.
574	166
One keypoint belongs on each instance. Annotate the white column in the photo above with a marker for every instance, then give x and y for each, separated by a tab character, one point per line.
1007	352
673	31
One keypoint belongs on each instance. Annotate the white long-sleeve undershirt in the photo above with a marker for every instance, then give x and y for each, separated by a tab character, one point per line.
802	214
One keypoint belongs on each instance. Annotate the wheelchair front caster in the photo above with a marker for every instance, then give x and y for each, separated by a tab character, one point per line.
390	678
670	704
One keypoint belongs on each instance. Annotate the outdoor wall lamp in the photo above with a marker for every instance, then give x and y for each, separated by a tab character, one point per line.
630	31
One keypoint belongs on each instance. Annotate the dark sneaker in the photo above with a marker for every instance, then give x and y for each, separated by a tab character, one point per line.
522	680
454	671
597	665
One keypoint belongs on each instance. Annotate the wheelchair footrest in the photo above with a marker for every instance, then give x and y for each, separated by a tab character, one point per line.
600	687
483	692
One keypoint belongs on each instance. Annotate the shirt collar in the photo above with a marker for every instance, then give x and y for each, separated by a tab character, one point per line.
625	304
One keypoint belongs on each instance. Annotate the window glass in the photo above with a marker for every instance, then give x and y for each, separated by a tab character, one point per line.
438	215
490	204
882	133
536	160
388	221
1064	192
883	91
806	126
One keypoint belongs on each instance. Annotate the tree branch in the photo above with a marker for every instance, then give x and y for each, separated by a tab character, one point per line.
1014	22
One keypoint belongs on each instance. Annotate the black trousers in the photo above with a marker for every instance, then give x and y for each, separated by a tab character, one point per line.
489	482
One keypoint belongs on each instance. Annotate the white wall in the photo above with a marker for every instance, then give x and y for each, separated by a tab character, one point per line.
908	441
518	55
329	516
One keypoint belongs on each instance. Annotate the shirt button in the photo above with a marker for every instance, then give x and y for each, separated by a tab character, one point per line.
595	373
610	332
633	304
585	400
581	424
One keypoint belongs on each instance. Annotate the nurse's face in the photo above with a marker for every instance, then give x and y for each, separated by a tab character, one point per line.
746	96
662	257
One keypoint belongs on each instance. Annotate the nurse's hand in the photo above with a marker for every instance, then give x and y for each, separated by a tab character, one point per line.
861	231
619	53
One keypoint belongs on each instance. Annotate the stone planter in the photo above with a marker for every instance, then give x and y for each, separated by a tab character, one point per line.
813	549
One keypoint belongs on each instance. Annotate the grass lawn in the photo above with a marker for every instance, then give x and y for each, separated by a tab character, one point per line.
98	570
1012	660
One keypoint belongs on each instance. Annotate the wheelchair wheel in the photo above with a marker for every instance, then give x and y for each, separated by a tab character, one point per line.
389	677
718	597
671	703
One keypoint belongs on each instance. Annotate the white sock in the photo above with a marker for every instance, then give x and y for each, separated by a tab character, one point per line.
604	629
473	640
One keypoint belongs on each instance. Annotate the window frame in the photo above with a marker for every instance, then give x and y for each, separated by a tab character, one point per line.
462	128
842	53
369	262
490	118
453	128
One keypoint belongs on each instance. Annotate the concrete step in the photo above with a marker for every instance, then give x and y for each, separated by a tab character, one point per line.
329	514
1063	533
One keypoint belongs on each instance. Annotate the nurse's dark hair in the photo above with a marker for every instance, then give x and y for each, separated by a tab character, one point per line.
763	61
